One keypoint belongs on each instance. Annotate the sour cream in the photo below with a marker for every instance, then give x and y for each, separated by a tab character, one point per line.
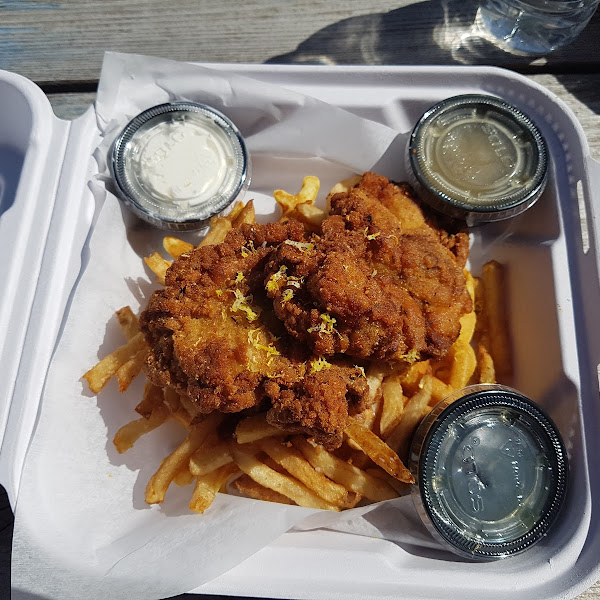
183	161
178	164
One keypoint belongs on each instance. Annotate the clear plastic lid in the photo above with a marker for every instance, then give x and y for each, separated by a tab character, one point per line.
479	158
178	164
491	470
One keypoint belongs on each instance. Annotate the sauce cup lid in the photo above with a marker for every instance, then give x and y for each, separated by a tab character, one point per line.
491	472
178	164
478	158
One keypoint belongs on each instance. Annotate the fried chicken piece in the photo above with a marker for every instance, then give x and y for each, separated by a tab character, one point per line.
275	317
320	404
205	329
379	282
213	337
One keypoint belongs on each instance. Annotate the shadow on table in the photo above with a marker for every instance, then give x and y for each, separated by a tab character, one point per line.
442	32
432	32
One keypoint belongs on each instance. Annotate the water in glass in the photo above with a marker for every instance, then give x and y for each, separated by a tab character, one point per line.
535	26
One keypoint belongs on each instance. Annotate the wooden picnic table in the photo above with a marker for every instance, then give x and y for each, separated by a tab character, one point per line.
59	44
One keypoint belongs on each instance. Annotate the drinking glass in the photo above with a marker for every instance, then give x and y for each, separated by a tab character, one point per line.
535	26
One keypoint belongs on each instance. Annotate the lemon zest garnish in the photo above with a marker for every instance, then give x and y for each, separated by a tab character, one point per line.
219	293
372	236
239	277
246	250
242	304
361	369
287	295
302	246
270	349
276	281
319	365
327	325
295	281
253	336
411	356
274	375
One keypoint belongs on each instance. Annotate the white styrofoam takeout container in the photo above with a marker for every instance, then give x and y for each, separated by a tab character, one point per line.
46	214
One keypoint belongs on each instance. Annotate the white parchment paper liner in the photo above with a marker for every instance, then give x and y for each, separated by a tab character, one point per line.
82	526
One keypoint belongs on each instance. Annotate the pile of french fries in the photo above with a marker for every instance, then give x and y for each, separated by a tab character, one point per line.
263	462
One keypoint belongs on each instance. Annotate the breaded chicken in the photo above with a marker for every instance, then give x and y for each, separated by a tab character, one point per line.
214	337
278	317
378	282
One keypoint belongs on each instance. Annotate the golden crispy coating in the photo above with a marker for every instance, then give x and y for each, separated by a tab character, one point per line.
214	337
277	315
377	282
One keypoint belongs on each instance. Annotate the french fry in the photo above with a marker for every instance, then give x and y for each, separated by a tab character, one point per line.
470	284
283	484
392	405
414	411
248	487
176	247
208	485
219	228
128	321
99	374
183	477
246	215
493	281
209	457
309	190
307	194
463	366
401	488
413	375
487	373
172	464
309	214
153	397
374	374
255	428
294	463
158	265
128	371
179	412
439	390
235	211
368	417
378	451
351	477
130	433
344	185
467	328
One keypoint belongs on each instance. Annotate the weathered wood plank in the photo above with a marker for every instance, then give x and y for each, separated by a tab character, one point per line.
71	106
581	93
63	41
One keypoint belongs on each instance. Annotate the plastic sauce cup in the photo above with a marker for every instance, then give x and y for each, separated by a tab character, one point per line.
178	164
478	158
491	472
